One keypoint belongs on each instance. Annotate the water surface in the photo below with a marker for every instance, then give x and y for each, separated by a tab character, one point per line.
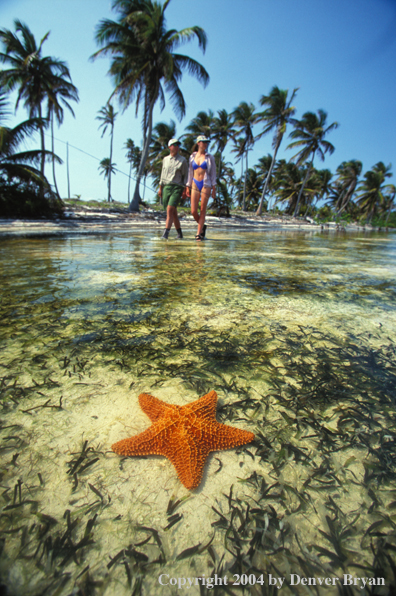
295	332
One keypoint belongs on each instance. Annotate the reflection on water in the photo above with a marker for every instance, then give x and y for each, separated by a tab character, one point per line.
296	333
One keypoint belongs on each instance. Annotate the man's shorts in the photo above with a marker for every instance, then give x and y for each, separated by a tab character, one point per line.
171	195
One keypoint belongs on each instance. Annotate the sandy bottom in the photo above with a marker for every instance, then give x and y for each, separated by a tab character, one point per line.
297	337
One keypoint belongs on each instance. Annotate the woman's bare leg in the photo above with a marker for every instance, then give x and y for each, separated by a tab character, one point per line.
204	202
195	194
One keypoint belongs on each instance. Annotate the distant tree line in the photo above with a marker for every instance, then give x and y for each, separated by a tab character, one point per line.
145	67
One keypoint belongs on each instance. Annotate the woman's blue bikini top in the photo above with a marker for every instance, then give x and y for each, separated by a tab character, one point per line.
204	165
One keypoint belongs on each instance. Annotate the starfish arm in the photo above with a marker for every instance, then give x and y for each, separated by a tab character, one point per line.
188	458
220	436
204	407
152	441
154	407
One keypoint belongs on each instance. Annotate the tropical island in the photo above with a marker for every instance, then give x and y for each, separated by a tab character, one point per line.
296	188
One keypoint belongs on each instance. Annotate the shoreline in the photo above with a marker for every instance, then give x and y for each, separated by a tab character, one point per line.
88	221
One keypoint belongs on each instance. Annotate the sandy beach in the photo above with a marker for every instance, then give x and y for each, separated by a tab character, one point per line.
88	220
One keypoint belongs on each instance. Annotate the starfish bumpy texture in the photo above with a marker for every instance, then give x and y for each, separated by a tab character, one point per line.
184	434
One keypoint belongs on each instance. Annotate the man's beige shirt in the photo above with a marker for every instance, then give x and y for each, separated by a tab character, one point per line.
174	170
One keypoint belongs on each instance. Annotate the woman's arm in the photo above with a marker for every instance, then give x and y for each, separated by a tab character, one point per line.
212	172
190	175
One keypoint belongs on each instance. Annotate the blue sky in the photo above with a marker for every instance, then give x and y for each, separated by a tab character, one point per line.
341	54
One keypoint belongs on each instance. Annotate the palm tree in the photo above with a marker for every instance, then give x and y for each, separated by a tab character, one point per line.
38	78
310	132
389	200
107	169
239	150
107	117
144	63
287	183
245	118
319	181
59	94
16	164
345	184
276	116
202	124
254	187
263	167
223	131
19	176
373	189
133	156
223	200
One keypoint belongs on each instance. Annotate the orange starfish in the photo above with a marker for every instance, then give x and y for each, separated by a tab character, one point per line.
184	434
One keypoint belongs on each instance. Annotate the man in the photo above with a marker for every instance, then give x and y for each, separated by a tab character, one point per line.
173	186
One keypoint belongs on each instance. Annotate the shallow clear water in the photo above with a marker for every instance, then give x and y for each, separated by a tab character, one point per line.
295	332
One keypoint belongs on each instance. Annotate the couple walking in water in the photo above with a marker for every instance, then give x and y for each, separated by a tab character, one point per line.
196	180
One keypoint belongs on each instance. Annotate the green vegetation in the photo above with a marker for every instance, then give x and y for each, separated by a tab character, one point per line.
144	68
44	85
144	63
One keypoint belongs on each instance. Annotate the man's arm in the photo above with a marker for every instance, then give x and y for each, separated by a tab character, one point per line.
161	184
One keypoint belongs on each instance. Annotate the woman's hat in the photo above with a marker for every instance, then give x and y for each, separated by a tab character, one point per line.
174	142
203	138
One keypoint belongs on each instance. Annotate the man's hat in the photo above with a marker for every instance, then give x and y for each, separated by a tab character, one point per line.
174	142
203	138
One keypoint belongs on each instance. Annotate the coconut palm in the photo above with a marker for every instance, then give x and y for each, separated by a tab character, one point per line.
373	189
223	131
345	184
107	116
58	98
144	63
389	200
19	175
320	184
254	187
245	117
15	164
263	167
38	78
239	150
228	180
107	169
287	183
133	156
276	116
202	124
223	201
310	132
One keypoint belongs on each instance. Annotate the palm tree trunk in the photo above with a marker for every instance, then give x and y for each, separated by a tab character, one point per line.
347	196
68	173
134	206
219	166
240	183
42	152
244	183
129	183
302	188
339	202
53	157
260	207
389	211
111	161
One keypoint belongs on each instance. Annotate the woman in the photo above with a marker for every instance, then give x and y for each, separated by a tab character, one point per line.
201	182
